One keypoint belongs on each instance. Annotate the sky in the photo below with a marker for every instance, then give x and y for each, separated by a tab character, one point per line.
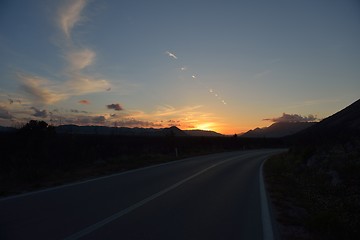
221	65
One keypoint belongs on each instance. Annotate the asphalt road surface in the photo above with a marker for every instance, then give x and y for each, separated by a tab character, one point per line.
208	197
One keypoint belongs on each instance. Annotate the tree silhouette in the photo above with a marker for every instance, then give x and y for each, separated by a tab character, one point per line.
35	127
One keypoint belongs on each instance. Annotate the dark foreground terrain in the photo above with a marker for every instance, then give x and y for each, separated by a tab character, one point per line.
36	156
206	197
315	187
316	193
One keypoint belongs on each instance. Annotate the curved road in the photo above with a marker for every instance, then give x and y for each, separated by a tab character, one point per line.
208	197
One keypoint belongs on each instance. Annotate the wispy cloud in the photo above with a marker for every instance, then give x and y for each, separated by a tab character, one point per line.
80	59
168	110
77	111
136	123
115	106
5	114
171	54
42	90
39	89
87	120
80	84
77	117
70	15
292	118
39	113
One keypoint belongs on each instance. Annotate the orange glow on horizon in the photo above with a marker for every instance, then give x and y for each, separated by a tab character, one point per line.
207	126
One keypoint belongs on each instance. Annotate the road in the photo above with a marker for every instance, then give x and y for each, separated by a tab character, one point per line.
208	197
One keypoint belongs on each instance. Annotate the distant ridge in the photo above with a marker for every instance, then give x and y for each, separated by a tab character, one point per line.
203	133
124	131
345	123
7	129
174	131
279	129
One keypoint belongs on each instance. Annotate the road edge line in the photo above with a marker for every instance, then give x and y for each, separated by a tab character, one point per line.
268	233
95	226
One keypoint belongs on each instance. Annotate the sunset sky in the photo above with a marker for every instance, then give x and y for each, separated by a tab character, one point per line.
221	65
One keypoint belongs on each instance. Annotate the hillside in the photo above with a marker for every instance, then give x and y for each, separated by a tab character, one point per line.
315	186
125	131
341	125
202	133
279	129
7	129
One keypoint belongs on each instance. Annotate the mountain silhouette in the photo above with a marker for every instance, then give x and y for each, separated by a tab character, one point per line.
344	124
202	133
102	130
279	129
173	131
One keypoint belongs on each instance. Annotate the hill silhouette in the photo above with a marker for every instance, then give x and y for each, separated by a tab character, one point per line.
279	129
124	131
202	133
340	126
320	176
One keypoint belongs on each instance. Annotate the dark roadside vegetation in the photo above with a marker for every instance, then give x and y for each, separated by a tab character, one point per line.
315	187
36	156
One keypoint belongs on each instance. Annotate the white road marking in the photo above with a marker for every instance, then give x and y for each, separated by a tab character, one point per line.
268	233
117	215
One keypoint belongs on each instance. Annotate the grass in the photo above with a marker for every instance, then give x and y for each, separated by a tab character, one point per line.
316	192
34	177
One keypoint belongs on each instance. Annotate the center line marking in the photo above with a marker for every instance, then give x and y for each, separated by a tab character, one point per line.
117	215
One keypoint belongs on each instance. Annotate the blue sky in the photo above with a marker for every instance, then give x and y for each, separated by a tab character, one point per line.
216	65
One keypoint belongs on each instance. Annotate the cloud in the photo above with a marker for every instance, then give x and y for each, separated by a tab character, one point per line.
135	123
115	106
80	84
175	123
11	101
70	15
292	118
39	113
84	101
77	57
42	91
80	58
4	113
168	110
39	89
99	119
171	55
77	111
89	120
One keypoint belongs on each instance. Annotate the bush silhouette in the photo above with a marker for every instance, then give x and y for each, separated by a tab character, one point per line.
35	127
